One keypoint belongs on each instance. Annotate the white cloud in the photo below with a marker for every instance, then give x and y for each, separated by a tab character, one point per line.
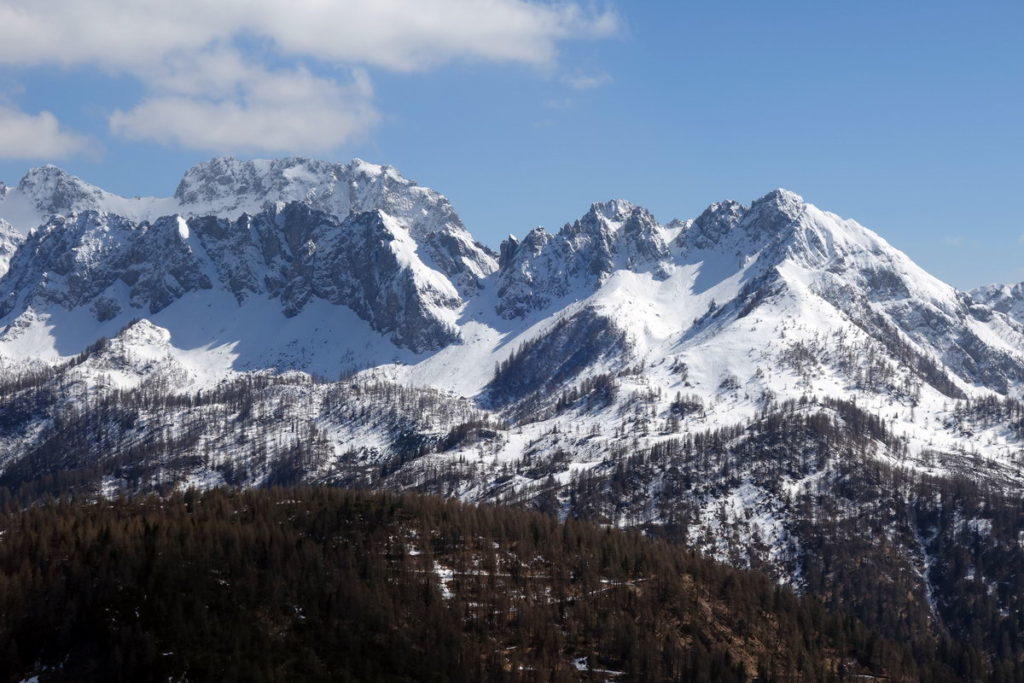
404	35
278	112
587	82
205	92
24	136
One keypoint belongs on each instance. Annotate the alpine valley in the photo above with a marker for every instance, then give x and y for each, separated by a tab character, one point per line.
767	383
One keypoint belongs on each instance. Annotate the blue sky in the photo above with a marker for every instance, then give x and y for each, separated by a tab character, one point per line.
906	117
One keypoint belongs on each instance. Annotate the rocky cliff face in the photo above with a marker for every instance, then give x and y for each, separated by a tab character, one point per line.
291	253
572	264
10	240
54	191
228	187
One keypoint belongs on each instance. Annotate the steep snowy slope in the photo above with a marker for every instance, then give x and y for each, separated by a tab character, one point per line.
10	239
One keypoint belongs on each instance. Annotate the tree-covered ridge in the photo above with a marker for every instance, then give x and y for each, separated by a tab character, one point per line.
330	584
798	492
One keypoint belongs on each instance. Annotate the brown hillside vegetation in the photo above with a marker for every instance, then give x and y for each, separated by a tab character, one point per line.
330	584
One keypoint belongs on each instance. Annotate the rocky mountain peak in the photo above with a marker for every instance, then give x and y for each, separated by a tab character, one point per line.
226	186
366	169
712	225
223	183
612	222
774	213
605	220
55	191
613	210
769	219
781	199
226	178
542	268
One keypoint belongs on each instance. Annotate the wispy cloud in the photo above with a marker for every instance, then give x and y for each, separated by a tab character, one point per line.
205	91
587	81
560	103
28	136
281	111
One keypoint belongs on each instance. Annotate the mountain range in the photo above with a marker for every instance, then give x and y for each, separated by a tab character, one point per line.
770	383
352	270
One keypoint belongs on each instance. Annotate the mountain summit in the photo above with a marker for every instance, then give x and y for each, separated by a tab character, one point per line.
396	255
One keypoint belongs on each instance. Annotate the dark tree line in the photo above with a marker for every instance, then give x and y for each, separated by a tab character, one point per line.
329	584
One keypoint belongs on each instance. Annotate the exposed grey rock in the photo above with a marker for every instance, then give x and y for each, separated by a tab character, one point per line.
545	268
292	253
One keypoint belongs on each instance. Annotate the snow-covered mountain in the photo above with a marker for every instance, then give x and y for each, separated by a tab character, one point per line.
287	253
296	320
331	269
228	188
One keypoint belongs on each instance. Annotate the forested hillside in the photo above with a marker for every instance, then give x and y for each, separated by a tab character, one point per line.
329	584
